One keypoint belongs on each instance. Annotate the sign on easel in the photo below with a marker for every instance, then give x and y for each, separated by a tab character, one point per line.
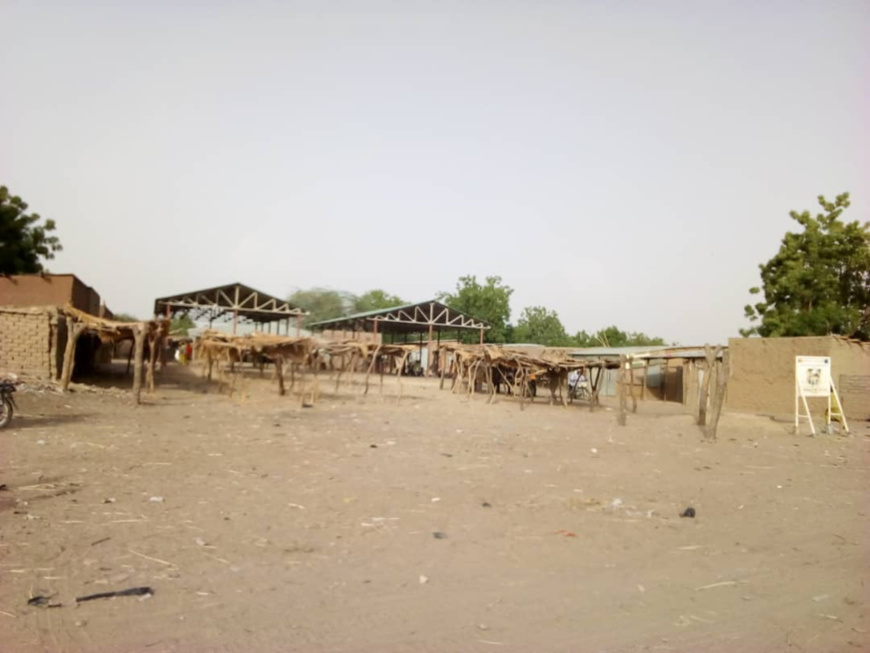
812	378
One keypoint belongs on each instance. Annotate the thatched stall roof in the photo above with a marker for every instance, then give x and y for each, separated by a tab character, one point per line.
154	331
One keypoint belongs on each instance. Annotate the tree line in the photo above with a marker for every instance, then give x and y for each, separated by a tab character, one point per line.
489	301
818	283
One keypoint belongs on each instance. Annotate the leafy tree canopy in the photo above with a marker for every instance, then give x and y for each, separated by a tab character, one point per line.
24	242
323	303
124	317
819	281
375	300
182	324
489	302
541	326
612	336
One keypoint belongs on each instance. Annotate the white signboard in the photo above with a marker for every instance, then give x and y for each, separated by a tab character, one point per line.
812	378
813	375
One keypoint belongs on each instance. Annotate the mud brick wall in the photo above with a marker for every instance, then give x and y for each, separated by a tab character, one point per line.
28	342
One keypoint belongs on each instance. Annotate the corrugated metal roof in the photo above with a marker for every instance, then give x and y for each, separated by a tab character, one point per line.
657	351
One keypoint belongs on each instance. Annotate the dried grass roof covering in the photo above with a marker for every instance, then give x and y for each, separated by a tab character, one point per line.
551	360
110	330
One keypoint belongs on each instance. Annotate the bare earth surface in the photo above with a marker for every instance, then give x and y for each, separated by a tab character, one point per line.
436	525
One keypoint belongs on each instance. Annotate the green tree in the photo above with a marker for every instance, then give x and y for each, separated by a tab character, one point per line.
540	326
489	302
181	325
819	281
124	317
24	243
322	303
375	300
612	336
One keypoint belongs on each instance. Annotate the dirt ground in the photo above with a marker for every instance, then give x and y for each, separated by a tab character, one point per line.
440	524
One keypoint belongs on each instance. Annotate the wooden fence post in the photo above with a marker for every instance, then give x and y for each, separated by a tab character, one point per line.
710	355
719	397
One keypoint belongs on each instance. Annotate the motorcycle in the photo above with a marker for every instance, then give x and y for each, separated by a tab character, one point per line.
580	391
7	401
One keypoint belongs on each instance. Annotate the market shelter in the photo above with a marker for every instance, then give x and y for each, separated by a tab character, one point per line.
235	302
429	319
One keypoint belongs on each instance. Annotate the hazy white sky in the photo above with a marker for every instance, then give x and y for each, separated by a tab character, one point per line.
623	163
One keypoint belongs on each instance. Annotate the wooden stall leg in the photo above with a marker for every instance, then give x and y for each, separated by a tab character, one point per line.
621	417
710	355
130	358
69	355
279	372
152	359
596	387
631	381
399	374
139	344
723	368
371	367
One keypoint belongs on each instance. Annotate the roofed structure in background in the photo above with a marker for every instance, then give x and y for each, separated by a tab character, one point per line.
411	318
649	352
233	301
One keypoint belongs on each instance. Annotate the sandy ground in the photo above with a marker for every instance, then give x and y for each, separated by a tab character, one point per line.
436	525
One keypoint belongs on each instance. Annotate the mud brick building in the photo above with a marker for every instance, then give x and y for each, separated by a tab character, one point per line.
33	329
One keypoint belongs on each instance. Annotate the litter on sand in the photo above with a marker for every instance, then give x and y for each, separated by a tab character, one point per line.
133	591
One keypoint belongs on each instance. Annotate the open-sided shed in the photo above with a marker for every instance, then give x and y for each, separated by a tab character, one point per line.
234	302
430	318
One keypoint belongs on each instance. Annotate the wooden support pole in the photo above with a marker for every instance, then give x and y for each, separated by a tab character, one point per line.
481	335
371	367
235	320
631	380
74	330
399	374
723	368
298	325
442	364
154	342
710	355
645	377
139	344
130	357
621	417
596	386
429	354
279	372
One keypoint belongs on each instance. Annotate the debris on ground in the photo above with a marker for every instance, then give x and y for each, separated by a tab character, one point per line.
438	535
688	512
43	601
133	591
